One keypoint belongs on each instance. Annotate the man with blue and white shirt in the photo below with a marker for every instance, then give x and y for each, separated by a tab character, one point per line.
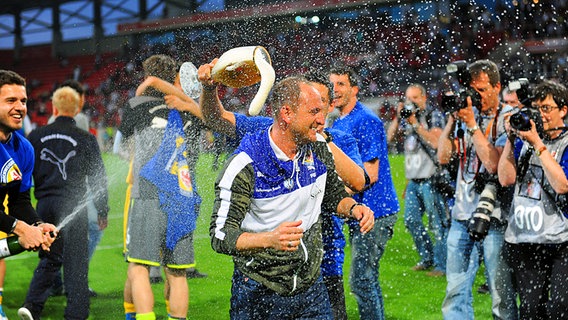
267	212
348	165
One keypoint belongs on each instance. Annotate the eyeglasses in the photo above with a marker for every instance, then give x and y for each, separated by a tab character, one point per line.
545	108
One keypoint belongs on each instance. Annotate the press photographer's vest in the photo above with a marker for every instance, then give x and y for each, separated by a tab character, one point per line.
466	197
418	163
535	216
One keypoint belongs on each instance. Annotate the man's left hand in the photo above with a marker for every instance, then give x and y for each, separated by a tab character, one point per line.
365	216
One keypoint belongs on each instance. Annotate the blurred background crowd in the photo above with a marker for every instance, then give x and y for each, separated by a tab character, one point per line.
389	45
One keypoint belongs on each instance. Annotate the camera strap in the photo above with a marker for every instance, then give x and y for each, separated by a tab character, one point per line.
559	200
523	164
490	129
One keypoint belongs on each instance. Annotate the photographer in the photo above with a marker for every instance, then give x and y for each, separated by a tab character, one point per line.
536	239
510	98
422	127
471	132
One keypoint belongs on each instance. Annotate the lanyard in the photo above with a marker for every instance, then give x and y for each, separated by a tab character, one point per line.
491	128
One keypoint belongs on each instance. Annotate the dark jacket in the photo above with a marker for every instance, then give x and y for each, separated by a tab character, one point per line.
67	158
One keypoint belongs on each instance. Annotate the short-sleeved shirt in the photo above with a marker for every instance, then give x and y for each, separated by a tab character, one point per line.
369	132
245	125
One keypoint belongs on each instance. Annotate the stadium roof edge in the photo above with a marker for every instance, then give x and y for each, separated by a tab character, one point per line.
278	9
14	6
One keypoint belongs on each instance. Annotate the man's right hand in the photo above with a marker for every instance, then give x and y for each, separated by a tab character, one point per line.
31	237
287	236
204	73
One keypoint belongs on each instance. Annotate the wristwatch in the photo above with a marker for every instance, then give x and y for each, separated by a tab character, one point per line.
471	131
328	136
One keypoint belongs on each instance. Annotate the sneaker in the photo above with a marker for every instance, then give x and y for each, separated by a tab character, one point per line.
92	293
25	314
483	289
193	274
422	266
436	273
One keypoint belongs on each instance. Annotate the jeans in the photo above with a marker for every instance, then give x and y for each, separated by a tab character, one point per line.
366	252
252	300
461	268
422	198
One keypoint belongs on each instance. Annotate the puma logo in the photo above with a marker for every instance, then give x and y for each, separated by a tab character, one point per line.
48	155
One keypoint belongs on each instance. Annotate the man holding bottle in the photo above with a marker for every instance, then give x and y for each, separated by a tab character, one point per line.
16	154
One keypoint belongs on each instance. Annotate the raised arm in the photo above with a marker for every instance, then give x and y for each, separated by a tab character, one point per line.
352	174
447	142
214	114
175	98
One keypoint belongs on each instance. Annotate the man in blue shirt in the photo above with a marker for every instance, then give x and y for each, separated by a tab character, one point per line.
237	126
380	195
17	158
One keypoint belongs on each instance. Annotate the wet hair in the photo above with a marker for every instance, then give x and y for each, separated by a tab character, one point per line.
321	78
557	91
11	77
488	67
345	70
74	84
287	92
161	66
66	100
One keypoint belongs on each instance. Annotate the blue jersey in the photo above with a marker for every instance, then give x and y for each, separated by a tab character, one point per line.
245	125
369	132
333	238
344	141
22	152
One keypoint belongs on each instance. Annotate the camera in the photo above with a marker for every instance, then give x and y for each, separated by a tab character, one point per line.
522	120
409	109
487	185
478	226
454	101
521	87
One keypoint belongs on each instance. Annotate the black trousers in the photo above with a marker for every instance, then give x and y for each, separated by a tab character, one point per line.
541	276
69	250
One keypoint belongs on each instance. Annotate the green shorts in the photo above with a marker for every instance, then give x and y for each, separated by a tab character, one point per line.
146	238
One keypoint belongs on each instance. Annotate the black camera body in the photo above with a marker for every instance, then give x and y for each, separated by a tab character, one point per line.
409	109
522	120
521	86
455	101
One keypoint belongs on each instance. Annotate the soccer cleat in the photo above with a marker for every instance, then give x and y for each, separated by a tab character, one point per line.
2	314
193	274
154	280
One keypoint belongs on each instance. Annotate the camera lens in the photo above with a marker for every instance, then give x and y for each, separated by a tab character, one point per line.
520	121
405	113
